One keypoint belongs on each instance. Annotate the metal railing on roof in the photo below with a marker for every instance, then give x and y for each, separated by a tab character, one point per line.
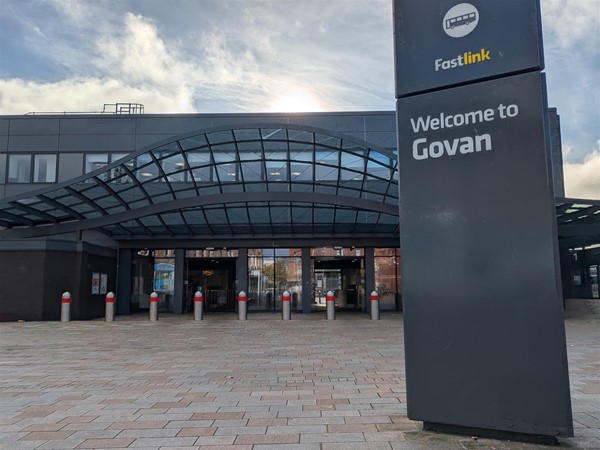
108	108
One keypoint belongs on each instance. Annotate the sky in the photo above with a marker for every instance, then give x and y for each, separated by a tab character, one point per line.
181	56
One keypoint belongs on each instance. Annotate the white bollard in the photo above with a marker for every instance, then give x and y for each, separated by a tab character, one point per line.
65	307
286	306
374	305
242	306
109	312
330	301
198	306
153	312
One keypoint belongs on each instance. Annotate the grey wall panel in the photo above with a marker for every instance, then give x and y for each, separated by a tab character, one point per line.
356	134
556	153
3	143
39	143
381	122
2	168
342	123
233	119
2	191
70	165
97	143
17	189
143	140
33	125
4	126
98	125
386	139
171	125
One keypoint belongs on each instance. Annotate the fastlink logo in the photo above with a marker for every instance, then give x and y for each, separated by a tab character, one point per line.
465	59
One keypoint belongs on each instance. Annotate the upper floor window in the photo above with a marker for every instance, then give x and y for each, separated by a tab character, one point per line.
20	168
44	168
95	161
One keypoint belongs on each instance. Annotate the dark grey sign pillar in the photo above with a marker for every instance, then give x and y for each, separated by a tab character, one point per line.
483	319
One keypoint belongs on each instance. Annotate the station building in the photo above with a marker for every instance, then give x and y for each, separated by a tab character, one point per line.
173	203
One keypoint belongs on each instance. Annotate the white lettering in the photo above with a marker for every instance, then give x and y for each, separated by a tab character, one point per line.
464	145
452	120
419	154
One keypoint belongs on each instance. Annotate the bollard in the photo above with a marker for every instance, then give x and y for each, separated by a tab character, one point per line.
330	301
242	306
109	311
65	307
153	307
374	305
198	306
286	306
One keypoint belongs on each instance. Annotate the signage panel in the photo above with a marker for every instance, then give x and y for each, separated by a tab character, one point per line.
441	43
484	331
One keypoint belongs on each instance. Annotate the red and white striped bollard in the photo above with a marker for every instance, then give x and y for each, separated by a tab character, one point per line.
198	306
109	310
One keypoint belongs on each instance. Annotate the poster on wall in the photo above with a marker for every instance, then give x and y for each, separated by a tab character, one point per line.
103	282
95	283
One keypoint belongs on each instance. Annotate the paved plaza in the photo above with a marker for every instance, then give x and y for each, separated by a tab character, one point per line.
223	384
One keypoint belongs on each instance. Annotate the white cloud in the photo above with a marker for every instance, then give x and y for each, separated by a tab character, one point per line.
81	95
572	23
582	180
134	66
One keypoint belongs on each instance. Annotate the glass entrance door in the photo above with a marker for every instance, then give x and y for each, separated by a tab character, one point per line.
215	278
342	276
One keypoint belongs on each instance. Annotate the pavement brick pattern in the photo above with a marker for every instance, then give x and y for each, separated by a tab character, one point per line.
263	384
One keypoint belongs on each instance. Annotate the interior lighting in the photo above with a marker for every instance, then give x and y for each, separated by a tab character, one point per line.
146	174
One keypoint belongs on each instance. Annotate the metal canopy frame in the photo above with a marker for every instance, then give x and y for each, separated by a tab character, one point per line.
578	222
245	180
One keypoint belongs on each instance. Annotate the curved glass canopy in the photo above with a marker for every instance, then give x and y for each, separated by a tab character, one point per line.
248	180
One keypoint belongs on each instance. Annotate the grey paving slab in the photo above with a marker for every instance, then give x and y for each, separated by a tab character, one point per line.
262	384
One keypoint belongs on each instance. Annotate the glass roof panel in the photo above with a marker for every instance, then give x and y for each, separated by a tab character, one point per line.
249	134
194	217
193	142
273	133
329	141
252	171
166	150
301	152
238	215
218	137
281	214
146	173
223	155
227	173
302	214
274	147
216	216
250	151
325	173
198	159
259	214
300	135
301	171
353	161
173	163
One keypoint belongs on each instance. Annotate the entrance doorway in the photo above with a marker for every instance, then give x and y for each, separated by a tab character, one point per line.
215	278
342	276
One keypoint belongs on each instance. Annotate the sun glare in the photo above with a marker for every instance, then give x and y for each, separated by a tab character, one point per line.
296	101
